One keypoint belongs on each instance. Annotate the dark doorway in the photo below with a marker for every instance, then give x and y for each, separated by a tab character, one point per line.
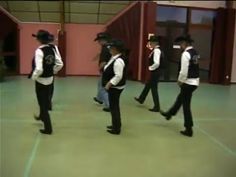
171	22
9	45
9	49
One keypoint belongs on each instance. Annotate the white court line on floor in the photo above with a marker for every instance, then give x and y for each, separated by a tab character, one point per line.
32	157
215	140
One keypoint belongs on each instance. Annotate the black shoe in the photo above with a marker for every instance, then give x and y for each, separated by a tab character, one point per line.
154	110
106	109
45	132
98	101
138	100
110	127
37	118
187	132
114	132
167	115
50	108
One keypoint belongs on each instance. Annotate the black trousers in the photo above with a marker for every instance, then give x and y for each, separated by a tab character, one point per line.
43	97
114	100
153	85
184	98
51	91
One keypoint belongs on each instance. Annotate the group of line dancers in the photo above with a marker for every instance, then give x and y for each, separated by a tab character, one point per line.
113	63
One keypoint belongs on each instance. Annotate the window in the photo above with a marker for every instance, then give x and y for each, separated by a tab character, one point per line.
200	28
202	43
204	17
171	14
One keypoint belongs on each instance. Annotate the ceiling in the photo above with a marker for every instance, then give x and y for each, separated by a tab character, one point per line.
89	12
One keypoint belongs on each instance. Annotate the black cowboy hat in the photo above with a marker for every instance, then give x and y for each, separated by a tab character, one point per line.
43	36
102	36
154	38
118	44
184	38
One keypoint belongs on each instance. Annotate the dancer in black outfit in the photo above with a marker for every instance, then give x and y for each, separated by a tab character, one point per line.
188	82
46	63
57	53
102	96
114	79
155	62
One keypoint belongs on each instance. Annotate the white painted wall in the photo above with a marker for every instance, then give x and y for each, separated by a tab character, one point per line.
233	74
203	4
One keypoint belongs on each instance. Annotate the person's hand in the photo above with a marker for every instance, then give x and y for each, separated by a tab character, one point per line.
108	86
101	66
149	46
179	83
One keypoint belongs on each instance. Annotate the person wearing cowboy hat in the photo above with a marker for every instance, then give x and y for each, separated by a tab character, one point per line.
102	96
188	81
114	79
51	40
155	62
47	62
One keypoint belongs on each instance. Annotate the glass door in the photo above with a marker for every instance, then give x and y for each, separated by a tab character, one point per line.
172	22
201	27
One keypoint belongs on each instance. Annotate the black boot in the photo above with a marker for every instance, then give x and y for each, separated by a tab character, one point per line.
98	101
106	109
45	132
167	115
187	132
114	132
110	127
37	118
138	100
154	110
50	107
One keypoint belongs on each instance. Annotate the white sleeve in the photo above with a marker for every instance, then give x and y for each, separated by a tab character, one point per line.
58	61
156	58
118	70
38	64
183	74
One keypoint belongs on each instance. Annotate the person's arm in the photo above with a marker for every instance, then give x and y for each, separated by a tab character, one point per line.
156	58
101	65
105	56
118	70
183	74
58	61
32	70
38	64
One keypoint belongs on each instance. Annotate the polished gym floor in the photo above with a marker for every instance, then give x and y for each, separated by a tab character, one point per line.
148	146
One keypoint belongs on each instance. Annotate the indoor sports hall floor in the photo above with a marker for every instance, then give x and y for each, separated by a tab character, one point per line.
149	146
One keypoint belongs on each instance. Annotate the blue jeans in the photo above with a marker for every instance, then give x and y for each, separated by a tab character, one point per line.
102	94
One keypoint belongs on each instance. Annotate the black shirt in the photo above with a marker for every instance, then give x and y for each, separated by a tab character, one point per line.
104	55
